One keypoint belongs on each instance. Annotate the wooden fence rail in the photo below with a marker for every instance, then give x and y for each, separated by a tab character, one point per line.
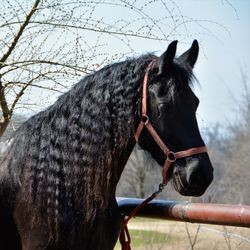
207	213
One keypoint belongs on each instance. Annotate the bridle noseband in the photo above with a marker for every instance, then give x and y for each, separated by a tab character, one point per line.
145	122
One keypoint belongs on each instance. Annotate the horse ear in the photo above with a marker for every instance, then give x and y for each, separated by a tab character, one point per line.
167	57
191	55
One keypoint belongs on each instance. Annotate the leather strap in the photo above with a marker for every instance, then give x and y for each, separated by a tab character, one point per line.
145	122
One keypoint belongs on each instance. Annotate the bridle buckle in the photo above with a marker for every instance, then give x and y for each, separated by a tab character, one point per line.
145	119
171	156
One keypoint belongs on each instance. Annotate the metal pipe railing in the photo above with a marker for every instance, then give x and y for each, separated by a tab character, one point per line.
207	213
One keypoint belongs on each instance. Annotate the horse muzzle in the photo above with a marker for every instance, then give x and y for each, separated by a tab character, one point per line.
192	176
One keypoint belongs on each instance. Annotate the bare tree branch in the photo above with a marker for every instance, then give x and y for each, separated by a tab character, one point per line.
20	32
61	41
5	110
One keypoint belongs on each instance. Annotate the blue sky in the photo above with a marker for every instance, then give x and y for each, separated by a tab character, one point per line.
220	62
223	32
224	52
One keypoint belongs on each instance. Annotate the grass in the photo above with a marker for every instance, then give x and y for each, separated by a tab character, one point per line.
145	237
152	234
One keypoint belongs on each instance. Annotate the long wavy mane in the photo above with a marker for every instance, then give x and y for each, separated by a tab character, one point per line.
63	156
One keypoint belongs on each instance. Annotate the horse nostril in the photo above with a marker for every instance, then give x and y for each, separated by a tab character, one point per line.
175	172
194	178
192	170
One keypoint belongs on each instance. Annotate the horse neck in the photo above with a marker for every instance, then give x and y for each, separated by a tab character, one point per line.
86	137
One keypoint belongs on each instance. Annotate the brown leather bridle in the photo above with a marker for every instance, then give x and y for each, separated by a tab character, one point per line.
170	158
145	122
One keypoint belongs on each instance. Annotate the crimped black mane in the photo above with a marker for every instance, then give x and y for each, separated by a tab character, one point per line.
58	178
62	157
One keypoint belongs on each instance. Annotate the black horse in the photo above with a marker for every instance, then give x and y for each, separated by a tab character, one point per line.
58	178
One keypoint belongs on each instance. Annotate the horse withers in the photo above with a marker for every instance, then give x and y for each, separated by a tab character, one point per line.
58	177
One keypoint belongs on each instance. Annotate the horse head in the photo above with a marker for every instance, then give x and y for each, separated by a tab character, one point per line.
171	108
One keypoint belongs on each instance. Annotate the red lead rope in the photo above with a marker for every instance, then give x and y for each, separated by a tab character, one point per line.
124	238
